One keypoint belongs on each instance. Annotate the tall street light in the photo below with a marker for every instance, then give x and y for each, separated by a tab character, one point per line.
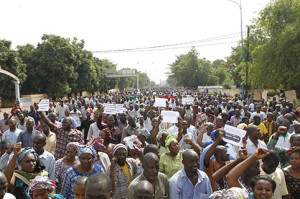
240	6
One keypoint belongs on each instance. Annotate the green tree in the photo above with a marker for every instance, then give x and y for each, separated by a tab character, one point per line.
276	46
11	62
190	71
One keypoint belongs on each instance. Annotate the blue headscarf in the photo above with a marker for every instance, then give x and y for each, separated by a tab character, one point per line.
87	149
26	151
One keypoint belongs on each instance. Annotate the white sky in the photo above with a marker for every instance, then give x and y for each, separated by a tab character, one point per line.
123	24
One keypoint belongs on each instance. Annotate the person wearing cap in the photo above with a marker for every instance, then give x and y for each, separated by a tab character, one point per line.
87	155
122	171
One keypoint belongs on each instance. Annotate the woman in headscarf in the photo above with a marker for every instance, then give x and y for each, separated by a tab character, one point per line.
63	164
143	135
87	155
19	180
42	188
158	138
171	162
292	172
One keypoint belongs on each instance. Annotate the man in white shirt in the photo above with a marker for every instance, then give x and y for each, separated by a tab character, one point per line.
60	110
186	135
254	141
12	133
269	167
46	158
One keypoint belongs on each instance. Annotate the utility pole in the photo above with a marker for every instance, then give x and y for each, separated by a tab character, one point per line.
247	61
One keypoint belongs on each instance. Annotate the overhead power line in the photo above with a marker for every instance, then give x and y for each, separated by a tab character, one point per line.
188	44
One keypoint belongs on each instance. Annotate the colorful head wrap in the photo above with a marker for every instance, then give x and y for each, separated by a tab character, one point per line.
144	132
232	193
75	145
26	151
169	140
293	150
40	182
160	133
87	149
119	146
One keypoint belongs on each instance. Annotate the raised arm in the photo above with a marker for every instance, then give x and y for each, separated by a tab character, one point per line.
200	136
237	171
212	149
195	147
114	161
47	121
183	111
9	171
145	114
179	136
156	129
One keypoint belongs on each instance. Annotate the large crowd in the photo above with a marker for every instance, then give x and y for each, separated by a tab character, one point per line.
78	149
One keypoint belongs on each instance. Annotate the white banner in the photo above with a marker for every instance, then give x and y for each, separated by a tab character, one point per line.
160	102
26	101
44	105
188	100
113	109
170	116
234	135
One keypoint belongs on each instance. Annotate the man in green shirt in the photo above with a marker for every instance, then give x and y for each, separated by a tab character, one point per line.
294	140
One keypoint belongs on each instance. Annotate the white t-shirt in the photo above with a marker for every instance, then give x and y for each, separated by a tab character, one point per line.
9	196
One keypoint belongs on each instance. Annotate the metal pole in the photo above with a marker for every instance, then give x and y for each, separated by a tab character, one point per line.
242	49
240	5
17	89
137	82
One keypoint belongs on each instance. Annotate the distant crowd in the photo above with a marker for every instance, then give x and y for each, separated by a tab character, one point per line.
79	149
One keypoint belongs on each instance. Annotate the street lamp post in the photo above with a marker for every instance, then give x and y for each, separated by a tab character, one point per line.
240	6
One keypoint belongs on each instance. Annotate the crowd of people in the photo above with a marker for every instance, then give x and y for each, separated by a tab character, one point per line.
77	149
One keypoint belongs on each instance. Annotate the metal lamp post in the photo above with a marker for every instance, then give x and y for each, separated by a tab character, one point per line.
240	6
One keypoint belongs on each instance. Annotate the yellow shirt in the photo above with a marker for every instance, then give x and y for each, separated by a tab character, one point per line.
262	128
126	170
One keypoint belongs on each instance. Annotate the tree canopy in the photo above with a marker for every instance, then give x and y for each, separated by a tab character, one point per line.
58	66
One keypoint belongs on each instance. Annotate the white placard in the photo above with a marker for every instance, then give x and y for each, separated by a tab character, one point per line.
110	109
129	141
25	101
44	105
160	102
170	116
119	108
188	100
234	135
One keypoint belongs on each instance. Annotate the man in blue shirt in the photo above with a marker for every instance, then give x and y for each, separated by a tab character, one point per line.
26	136
190	182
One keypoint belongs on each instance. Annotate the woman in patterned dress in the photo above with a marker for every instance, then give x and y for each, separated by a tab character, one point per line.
292	173
87	155
63	164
